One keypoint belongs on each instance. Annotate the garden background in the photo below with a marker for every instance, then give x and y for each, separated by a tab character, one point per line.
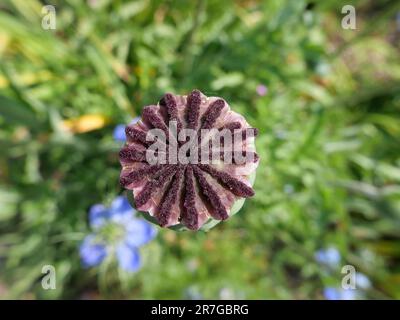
325	99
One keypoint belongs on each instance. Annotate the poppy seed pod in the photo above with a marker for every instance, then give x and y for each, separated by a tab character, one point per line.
190	161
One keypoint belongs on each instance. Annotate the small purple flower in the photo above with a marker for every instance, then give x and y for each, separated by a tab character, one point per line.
262	90
330	257
119	130
116	231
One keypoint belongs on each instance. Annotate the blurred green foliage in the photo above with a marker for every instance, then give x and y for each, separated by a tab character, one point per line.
329	142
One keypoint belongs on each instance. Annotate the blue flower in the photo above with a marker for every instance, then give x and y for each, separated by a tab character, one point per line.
362	281
330	257
119	133
116	231
331	293
119	130
128	257
92	252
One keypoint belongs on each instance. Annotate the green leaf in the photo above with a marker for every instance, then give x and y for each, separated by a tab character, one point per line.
14	112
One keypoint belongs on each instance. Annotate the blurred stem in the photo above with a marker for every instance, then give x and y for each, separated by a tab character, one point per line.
72	236
187	49
29	101
103	274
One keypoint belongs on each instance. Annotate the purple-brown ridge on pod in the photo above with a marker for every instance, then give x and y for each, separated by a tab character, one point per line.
189	193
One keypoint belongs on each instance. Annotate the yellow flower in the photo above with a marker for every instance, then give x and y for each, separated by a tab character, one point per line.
85	123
